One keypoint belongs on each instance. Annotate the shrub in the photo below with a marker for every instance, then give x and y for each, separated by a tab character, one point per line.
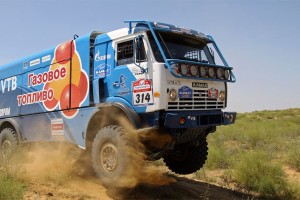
253	150
293	157
201	174
217	158
256	173
10	186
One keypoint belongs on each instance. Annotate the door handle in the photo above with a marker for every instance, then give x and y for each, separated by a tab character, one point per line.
116	84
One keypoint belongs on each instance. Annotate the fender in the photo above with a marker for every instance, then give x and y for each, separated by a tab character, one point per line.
130	113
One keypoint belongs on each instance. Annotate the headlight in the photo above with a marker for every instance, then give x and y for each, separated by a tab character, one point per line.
220	73
202	71
175	68
211	72
184	69
222	95
173	94
194	70
226	74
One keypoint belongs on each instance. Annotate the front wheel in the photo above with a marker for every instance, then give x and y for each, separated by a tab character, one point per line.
187	160
115	157
8	143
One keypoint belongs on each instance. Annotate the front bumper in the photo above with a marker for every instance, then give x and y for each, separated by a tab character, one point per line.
198	119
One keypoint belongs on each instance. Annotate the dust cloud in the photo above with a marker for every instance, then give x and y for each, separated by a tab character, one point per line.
49	160
142	171
61	161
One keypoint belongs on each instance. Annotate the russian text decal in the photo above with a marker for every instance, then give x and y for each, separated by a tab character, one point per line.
70	88
58	88
57	126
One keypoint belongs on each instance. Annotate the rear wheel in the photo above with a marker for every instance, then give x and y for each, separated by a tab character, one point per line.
115	157
187	160
8	143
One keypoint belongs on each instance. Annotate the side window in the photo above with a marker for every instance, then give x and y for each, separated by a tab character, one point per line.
126	52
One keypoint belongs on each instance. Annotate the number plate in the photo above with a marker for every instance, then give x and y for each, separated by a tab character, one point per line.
142	92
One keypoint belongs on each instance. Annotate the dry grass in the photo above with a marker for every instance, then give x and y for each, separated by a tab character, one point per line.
253	152
11	188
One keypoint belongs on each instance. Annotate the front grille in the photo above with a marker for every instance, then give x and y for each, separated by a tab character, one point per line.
199	101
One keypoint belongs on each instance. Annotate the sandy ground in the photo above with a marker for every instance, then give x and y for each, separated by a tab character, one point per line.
78	187
50	174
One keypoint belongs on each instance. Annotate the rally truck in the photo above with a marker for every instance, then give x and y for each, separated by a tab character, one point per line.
162	79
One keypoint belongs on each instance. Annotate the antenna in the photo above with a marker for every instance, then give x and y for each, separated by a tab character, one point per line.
75	36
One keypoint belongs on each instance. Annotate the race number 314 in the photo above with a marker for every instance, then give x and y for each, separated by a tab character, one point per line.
142	92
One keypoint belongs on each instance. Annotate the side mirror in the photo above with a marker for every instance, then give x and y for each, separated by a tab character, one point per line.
212	53
140	54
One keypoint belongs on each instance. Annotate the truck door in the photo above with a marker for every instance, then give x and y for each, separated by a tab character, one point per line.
103	62
130	78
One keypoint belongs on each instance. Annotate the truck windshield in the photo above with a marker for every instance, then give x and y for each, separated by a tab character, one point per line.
183	47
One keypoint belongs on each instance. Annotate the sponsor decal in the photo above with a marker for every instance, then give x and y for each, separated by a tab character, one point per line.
4	112
99	58
56	82
46	95
8	84
25	65
212	93
174	82
122	84
102	71
57	127
46	58
142	92
199	85
66	88
124	92
35	62
123	81
138	71
48	76
185	92
35	97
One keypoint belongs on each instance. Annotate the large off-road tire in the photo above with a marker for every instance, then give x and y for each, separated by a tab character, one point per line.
187	160
115	157
8	143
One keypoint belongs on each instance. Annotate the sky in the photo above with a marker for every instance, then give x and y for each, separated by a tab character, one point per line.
258	38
